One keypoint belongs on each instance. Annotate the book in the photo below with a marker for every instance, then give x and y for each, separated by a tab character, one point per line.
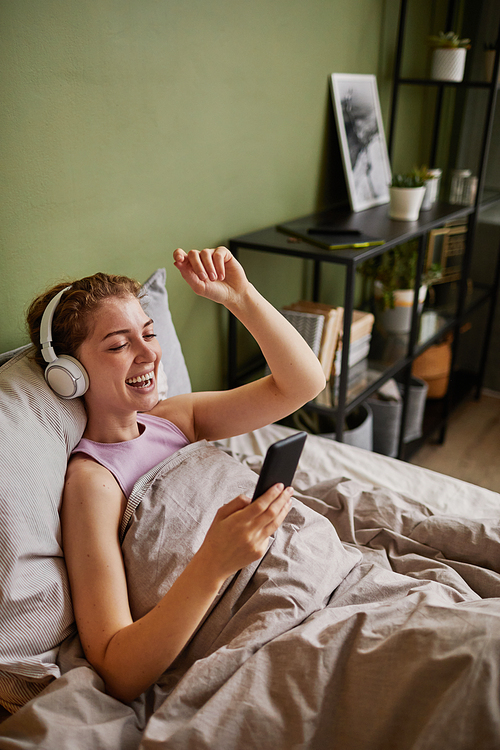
328	237
332	326
362	324
356	374
309	325
360	339
357	351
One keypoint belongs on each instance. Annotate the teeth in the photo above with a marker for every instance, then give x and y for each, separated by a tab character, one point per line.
141	378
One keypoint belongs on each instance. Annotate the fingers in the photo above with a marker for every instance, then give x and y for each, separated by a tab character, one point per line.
266	512
207	264
272	507
233	506
240	531
278	511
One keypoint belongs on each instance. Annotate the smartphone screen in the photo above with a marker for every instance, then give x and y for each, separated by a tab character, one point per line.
280	463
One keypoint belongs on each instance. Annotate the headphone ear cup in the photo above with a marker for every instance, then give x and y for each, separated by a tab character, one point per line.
67	377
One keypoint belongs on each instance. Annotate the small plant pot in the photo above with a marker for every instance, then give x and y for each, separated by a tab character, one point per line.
398	318
405	203
448	63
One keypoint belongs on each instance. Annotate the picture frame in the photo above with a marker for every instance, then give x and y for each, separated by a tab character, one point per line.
361	133
436	247
446	247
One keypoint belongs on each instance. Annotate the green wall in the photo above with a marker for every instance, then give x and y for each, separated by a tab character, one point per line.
132	127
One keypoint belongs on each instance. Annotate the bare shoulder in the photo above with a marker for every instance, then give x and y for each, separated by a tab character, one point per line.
179	411
90	488
84	473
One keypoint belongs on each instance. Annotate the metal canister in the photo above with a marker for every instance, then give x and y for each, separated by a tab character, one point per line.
435	175
432	184
458	177
469	191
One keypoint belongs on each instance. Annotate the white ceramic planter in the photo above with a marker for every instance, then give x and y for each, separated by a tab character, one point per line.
405	203
398	318
448	63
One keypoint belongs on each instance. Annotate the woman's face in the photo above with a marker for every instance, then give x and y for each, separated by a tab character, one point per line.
121	356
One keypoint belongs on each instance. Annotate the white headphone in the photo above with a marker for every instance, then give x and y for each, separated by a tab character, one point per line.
64	374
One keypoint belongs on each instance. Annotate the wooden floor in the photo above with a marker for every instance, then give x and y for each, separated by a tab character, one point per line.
471	450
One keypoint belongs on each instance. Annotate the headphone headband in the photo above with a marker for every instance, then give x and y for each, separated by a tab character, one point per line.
65	375
48	352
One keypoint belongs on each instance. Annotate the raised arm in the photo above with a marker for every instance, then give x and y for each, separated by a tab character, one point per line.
296	374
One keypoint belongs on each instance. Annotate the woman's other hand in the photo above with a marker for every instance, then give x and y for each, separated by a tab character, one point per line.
240	531
212	273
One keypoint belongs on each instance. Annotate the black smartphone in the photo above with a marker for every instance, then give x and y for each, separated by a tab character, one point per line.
280	463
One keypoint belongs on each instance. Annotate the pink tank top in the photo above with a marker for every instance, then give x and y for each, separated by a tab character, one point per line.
129	460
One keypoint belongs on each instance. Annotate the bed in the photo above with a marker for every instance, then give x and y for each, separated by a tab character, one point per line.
373	620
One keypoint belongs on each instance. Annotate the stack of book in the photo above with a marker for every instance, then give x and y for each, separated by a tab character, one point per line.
321	327
359	347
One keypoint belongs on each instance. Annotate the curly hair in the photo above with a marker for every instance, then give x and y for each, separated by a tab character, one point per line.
71	323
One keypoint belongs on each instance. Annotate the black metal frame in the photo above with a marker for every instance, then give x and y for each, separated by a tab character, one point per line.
270	240
374	221
485	145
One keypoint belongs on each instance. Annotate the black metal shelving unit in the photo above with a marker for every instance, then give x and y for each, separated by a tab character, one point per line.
375	222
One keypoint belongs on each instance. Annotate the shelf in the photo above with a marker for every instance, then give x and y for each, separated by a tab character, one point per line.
489	197
372	221
446	312
452	84
369	381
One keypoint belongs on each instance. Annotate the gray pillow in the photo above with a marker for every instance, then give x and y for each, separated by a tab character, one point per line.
38	431
5	356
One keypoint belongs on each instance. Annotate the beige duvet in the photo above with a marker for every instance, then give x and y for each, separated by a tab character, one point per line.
371	622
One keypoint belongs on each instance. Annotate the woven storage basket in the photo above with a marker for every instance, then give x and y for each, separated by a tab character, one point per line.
433	366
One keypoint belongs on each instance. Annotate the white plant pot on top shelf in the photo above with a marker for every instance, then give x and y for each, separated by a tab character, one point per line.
448	63
405	202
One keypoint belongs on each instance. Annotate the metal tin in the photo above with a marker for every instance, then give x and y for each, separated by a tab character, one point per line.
458	177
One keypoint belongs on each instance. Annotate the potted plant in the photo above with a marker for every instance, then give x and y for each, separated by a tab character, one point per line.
448	56
392	276
406	193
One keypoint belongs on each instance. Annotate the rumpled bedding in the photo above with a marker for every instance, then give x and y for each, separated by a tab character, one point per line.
371	622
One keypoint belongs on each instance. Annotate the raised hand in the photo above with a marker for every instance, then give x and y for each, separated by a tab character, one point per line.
212	273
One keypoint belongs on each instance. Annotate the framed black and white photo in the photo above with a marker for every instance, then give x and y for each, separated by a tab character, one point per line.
361	133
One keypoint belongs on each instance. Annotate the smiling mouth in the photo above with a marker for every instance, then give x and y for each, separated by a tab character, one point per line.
143	381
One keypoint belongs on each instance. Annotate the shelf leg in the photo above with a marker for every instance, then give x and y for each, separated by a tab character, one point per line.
489	328
348	309
414	330
397	73
316	280
232	365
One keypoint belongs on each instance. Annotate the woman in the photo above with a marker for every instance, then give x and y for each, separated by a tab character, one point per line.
114	341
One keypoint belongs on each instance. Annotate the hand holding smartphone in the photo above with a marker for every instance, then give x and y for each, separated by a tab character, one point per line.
280	463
